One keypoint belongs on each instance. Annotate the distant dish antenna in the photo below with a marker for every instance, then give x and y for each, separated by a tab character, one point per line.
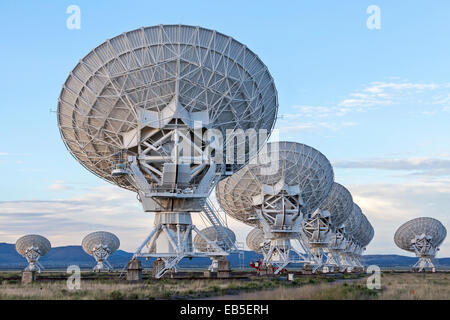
212	238
32	247
423	236
101	245
255	241
288	184
358	232
339	204
333	213
151	110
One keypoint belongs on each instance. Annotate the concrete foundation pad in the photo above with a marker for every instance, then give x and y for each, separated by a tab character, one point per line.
134	271
28	277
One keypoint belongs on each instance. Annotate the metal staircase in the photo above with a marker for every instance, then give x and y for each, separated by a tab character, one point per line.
210	212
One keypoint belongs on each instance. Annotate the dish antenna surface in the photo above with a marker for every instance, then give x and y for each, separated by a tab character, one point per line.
353	222
322	227
101	245
32	247
351	227
339	204
212	239
290	182
423	236
361	239
158	110
213	236
255	240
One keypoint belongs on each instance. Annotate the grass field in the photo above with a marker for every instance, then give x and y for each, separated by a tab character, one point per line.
394	286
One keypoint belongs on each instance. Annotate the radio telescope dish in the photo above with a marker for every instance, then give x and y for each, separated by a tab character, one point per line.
368	236
319	227
365	231
423	236
255	240
361	239
131	90
300	169
151	110
209	238
101	245
212	235
290	182
32	247
351	228
339	204
363	228
353	222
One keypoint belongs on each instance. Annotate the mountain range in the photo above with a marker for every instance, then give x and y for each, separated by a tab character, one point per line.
62	257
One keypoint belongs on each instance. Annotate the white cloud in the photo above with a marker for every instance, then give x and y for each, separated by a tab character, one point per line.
110	208
388	93
67	221
373	95
418	166
388	206
60	185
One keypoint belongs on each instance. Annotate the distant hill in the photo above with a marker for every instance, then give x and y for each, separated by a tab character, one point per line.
62	257
392	260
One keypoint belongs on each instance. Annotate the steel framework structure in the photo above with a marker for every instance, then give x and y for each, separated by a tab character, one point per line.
323	228
32	247
290	181
151	110
423	236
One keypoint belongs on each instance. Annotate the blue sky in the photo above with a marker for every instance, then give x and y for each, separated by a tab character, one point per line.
375	102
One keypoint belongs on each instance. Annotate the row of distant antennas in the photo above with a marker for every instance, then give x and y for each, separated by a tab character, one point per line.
273	207
100	245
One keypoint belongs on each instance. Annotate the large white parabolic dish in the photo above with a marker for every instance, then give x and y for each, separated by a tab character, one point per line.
151	76
32	247
97	239
165	111
416	227
296	165
353	222
339	204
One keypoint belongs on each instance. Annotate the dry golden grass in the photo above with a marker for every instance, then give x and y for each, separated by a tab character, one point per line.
111	290
406	286
150	289
322	291
394	286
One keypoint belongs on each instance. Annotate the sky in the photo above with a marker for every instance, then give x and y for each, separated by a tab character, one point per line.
376	102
